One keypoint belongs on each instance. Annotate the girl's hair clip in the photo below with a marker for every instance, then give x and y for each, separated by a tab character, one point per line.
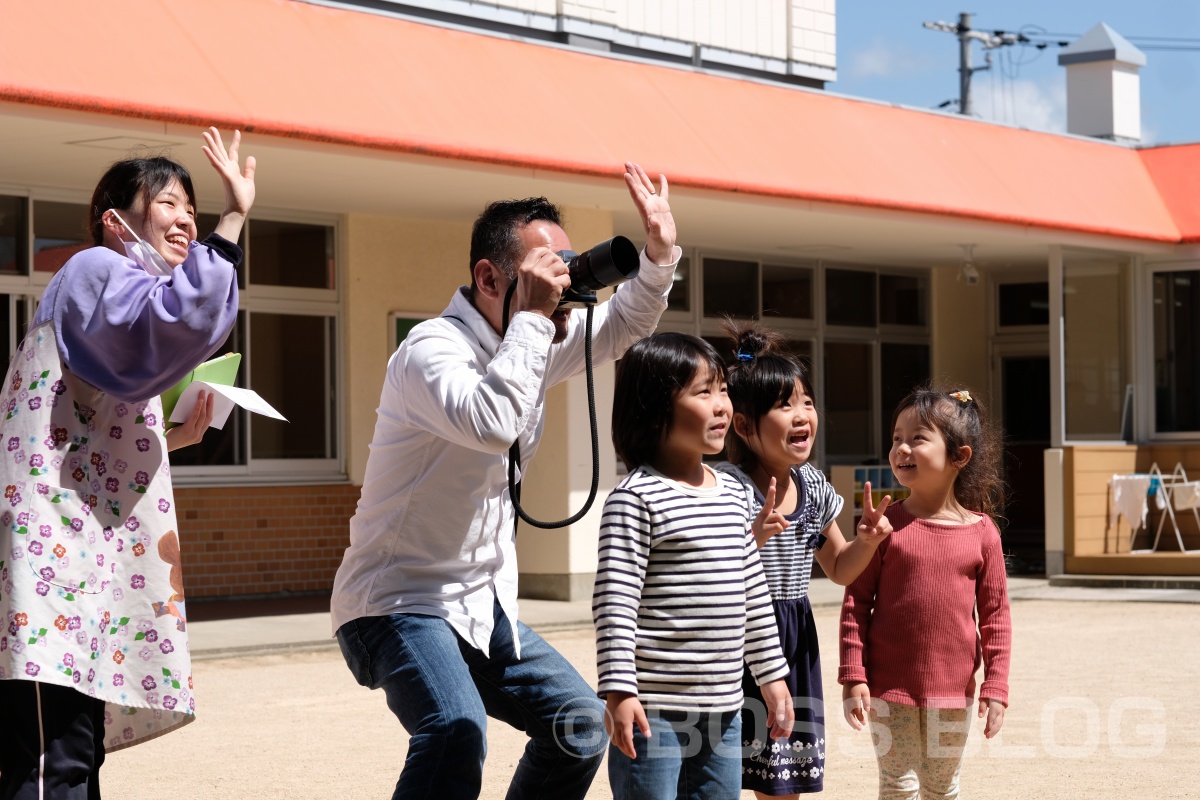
743	356
963	396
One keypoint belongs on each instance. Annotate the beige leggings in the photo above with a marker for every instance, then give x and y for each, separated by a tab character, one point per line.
919	750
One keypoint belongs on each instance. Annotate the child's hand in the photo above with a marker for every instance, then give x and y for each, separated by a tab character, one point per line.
781	714
856	703
874	527
995	716
623	711
768	522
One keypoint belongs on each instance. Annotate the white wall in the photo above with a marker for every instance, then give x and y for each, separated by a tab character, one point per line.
788	30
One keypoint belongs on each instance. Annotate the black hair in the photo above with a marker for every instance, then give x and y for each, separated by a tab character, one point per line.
650	376
962	421
494	235
133	178
762	376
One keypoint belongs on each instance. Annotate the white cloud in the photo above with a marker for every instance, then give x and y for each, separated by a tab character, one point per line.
884	59
1021	102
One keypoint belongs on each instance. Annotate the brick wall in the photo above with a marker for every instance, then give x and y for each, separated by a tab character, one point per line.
262	539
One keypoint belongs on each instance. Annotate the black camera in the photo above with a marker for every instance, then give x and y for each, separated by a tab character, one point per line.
607	264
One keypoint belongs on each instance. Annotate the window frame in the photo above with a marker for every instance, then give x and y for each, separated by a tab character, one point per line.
816	331
288	301
1145	412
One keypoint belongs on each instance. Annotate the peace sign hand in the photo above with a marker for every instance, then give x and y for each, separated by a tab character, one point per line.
768	521
874	527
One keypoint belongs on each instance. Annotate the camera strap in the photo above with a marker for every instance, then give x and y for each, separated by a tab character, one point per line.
514	452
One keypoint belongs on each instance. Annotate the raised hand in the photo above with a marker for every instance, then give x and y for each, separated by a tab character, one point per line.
874	527
655	212
238	183
768	521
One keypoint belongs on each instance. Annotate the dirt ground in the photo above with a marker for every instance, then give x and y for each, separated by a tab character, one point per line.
1101	706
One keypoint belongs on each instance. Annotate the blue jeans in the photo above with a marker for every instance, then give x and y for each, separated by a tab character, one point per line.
689	755
443	690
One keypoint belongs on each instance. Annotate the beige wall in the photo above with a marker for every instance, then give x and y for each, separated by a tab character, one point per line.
415	265
960	332
392	264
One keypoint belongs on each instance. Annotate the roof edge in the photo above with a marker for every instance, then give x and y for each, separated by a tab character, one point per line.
93	104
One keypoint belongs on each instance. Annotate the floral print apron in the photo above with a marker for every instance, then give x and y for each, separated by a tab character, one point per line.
91	587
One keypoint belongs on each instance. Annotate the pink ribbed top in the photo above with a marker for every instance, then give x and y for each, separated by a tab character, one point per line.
908	622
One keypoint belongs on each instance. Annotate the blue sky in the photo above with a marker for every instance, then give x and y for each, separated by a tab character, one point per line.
885	54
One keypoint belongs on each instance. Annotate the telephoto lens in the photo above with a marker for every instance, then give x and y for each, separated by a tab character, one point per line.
607	264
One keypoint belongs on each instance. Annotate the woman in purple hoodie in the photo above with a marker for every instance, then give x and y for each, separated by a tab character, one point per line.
93	643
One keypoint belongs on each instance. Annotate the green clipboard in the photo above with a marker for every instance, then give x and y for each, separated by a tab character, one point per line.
221	370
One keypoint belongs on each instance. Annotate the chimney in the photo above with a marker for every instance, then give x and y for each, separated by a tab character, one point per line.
1103	88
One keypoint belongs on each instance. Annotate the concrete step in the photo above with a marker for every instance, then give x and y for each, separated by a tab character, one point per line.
1191	582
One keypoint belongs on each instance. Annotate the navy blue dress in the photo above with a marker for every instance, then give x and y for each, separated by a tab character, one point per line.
795	765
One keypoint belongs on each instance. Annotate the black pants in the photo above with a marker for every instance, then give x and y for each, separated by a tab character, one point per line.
65	726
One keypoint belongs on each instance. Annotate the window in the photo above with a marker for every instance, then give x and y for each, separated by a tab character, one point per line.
902	367
291	254
14	320
680	298
1176	297
299	350
878	351
1024	304
13	241
59	232
730	287
850	298
1095	327
787	292
902	300
287	332
849	391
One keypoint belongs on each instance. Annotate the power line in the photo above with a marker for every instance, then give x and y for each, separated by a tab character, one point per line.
1032	37
966	34
1041	39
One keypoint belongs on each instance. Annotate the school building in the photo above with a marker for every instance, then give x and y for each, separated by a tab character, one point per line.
1057	276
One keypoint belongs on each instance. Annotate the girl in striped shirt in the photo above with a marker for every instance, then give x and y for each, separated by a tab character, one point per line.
775	427
680	602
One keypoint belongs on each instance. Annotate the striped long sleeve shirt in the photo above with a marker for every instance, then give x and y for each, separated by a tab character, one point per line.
680	600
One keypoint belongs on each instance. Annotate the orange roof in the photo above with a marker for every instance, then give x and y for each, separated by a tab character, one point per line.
292	69
1176	172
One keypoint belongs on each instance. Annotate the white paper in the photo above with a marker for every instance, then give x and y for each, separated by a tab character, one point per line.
224	399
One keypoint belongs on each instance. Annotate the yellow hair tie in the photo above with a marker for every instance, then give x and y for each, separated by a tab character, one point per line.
963	396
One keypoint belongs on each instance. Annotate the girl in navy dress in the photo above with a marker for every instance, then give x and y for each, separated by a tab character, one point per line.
775	427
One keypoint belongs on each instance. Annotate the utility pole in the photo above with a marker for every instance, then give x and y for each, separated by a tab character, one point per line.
965	34
964	64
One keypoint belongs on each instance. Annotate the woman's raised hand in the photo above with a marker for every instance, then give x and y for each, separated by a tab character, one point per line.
238	183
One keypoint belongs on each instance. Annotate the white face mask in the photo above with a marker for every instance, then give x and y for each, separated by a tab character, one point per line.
142	253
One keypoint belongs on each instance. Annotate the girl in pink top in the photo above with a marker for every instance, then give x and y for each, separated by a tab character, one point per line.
911	643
